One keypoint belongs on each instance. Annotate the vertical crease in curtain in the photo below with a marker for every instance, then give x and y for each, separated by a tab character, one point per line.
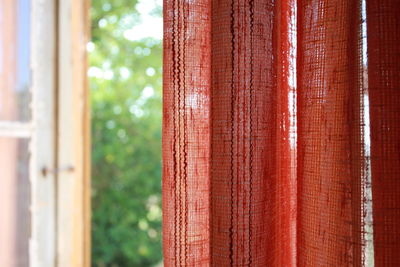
241	111
265	132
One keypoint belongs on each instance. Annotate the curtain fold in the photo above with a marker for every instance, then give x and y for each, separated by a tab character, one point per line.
279	118
186	133
384	97
329	140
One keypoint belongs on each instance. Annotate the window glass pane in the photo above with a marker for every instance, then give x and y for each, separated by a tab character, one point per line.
14	59
14	202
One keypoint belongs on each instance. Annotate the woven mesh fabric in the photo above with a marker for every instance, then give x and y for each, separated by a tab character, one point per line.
384	89
329	98
265	152
186	133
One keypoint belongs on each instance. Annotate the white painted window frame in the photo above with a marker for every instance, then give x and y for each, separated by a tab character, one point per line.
73	187
15	129
40	131
59	134
43	144
59	167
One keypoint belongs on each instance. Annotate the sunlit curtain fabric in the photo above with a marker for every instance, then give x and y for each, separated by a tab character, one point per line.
281	133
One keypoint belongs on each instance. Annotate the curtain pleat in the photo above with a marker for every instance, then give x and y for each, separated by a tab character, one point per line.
329	98
243	113
285	189
266	140
186	133
383	31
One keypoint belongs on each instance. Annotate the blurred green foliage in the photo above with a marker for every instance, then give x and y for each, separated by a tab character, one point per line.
125	80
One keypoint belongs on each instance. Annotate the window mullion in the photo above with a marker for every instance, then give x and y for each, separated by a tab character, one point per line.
15	129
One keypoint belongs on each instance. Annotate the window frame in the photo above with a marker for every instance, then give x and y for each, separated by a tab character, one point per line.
43	144
59	134
60	141
73	136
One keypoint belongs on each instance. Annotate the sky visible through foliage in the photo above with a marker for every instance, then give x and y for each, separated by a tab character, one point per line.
125	79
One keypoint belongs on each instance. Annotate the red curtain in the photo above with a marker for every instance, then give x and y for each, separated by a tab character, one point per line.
281	133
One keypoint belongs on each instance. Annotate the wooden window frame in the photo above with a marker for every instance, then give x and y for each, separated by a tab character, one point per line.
60	140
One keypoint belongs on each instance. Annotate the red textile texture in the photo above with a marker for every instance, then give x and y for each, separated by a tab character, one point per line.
329	145
268	135
384	90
